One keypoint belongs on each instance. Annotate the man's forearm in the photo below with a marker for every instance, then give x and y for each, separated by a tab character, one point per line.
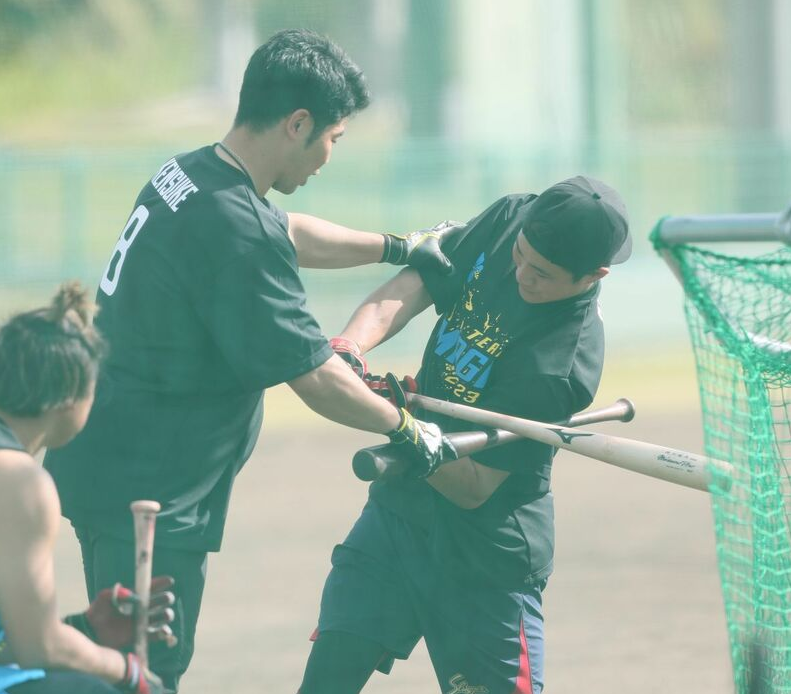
466	483
322	244
387	310
334	391
65	647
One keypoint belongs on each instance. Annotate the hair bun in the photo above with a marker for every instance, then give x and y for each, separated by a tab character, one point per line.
71	304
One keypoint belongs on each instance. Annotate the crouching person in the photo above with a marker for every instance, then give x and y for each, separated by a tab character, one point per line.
48	365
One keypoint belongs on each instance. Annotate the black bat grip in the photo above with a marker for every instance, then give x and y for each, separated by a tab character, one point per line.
387	460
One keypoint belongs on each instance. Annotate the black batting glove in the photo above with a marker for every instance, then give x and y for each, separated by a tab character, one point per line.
350	352
420	248
423	443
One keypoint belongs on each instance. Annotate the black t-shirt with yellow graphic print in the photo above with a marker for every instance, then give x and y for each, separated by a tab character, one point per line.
493	350
203	308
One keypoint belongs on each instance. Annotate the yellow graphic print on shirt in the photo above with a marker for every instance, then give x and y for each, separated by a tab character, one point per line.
469	339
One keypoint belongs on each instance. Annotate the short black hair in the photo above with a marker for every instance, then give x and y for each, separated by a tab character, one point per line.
297	68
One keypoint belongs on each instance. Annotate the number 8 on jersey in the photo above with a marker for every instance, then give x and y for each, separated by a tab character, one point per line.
111	276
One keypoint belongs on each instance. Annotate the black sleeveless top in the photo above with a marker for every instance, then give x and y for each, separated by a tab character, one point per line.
8	439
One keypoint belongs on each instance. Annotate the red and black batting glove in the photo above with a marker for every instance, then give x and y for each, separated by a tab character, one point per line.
420	249
137	679
350	352
423	443
391	388
109	621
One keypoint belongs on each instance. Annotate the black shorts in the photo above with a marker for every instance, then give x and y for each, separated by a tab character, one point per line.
386	586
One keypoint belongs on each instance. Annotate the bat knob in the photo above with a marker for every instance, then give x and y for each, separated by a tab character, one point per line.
629	409
367	464
145	506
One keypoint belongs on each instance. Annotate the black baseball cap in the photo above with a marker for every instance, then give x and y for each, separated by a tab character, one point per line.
580	224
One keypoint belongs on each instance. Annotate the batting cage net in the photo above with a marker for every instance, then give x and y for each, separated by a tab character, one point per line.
738	310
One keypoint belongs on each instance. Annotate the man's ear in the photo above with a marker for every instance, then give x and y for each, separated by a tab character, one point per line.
299	124
598	274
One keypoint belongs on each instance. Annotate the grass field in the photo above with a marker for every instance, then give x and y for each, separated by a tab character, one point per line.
633	606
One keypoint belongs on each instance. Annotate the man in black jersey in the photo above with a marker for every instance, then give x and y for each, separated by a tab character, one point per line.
461	558
203	309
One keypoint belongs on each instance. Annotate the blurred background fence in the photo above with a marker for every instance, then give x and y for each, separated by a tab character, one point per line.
684	107
60	211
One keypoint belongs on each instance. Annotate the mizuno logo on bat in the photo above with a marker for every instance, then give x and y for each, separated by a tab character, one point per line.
567	436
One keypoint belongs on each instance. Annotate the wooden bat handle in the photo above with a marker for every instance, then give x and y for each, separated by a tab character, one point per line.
385	461
144	514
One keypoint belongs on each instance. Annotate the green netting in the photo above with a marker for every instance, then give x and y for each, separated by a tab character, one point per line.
738	310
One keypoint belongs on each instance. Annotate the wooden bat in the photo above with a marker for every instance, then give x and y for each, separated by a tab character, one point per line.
386	461
669	464
145	516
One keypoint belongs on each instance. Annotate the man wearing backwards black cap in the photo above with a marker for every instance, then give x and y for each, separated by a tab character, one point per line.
461	557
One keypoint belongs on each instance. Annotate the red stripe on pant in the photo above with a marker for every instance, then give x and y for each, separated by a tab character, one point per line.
524	682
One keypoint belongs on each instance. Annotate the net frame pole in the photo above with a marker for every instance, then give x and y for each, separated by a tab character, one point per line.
715	228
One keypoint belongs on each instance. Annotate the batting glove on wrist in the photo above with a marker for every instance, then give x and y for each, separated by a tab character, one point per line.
391	388
109	621
350	352
420	248
424	444
137	679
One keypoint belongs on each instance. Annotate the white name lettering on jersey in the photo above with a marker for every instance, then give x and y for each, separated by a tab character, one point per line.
173	184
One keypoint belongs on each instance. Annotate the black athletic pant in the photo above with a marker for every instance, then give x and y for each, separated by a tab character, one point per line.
108	560
63	682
